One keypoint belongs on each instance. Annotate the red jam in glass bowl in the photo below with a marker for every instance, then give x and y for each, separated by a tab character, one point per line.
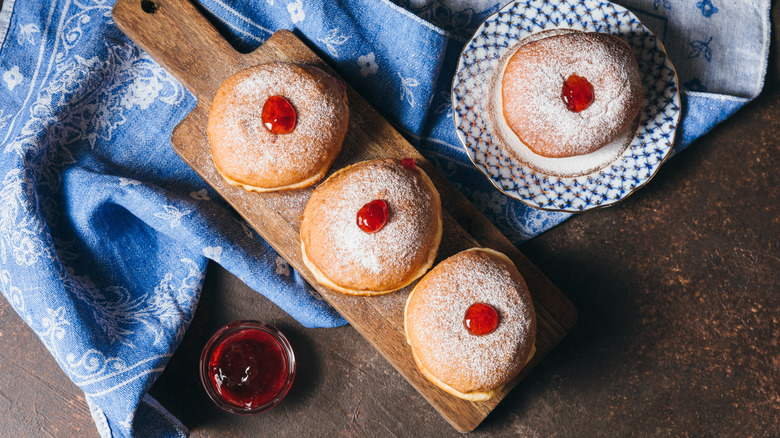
247	367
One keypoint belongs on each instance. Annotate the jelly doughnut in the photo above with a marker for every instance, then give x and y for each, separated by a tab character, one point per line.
277	126
372	227
471	324
570	94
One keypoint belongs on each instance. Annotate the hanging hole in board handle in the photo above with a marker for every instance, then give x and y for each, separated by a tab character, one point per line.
149	6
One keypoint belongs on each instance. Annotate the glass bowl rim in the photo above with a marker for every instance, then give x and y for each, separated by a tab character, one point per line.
223	333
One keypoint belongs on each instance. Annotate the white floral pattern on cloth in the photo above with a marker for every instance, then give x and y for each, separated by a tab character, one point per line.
333	40
407	89
282	267
21	240
129	182
200	195
367	64
120	312
13	294
213	252
296	11
4	118
28	33
12	78
172	215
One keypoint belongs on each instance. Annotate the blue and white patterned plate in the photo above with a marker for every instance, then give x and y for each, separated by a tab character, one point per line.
610	181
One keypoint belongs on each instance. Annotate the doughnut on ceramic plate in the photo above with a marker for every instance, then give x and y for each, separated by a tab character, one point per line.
603	93
571	184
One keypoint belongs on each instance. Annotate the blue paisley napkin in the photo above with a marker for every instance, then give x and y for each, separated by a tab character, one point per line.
105	233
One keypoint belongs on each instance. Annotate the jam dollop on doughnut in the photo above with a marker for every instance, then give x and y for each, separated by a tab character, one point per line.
372	216
577	93
481	319
408	163
278	115
570	94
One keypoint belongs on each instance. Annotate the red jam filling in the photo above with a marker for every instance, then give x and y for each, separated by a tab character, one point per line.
279	115
248	368
372	216
408	163
481	319
577	93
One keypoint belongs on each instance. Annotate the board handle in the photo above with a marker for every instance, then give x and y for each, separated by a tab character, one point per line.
180	39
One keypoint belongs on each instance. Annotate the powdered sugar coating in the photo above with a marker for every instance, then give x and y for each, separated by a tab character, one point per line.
247	153
434	321
532	84
385	260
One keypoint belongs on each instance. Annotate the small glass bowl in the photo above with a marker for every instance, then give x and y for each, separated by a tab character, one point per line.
221	336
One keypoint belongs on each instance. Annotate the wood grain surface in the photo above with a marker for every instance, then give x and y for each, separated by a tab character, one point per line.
176	35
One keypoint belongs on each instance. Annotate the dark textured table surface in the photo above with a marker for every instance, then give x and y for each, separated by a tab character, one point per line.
678	292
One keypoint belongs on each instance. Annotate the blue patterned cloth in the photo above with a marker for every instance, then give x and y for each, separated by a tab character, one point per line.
105	233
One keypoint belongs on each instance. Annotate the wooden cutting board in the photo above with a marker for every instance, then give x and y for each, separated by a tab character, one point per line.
177	36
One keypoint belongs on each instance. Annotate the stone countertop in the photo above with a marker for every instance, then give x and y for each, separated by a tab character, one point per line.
678	293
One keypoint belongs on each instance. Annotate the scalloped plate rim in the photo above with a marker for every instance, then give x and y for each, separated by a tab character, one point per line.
482	167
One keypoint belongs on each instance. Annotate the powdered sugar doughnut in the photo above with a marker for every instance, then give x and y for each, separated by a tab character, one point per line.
247	154
466	365
348	259
532	88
